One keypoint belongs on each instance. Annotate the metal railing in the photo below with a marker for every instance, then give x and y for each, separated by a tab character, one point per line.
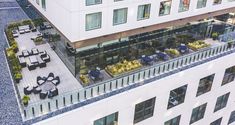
93	93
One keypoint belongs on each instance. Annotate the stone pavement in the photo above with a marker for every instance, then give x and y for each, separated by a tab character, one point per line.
9	111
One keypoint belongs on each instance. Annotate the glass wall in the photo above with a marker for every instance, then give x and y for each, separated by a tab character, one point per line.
184	5
165	8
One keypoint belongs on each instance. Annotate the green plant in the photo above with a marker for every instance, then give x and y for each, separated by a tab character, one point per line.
38	39
38	22
17	77
214	35
26	22
14	46
10	53
25	100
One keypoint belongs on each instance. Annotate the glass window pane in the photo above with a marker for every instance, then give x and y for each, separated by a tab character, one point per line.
165	8
93	21
119	16
201	3
184	5
143	12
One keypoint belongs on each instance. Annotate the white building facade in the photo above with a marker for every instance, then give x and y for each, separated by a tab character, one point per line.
80	20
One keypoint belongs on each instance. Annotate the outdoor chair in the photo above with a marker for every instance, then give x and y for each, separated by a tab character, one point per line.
40	80
43	95
22	61
47	58
43	54
56	80
31	66
28	90
53	92
36	90
50	77
41	63
25	53
34	51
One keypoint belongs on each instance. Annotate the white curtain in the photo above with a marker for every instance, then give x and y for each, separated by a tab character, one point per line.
120	16
93	21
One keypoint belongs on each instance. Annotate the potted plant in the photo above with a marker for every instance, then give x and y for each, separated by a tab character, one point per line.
25	100
214	35
18	77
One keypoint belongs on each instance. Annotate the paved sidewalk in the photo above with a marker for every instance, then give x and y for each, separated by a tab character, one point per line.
9	112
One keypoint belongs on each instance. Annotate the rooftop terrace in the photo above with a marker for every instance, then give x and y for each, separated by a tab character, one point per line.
135	72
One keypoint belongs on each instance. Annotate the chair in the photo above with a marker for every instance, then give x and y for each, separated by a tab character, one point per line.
28	90
22	61
50	77
34	51
41	63
56	80
43	95
40	80
31	66
47	58
53	92
25	53
36	90
43	54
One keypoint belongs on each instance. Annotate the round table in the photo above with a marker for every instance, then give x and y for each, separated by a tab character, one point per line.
47	86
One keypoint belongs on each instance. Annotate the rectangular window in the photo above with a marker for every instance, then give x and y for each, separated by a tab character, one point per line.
44	4
119	16
184	5
177	96
229	75
144	110
217	2
143	11
93	21
174	121
165	8
221	102
232	117
205	84
217	122
37	1
107	120
201	3
198	113
93	2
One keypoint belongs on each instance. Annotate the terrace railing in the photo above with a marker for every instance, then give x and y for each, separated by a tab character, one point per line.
87	95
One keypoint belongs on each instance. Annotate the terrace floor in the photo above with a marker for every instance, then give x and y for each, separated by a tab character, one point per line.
56	66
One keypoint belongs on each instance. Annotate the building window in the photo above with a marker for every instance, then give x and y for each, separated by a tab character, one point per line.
177	96
93	2
217	122
144	110
44	4
37	1
198	113
231	0
201	3
107	120
221	102
232	117
119	16
217	2
229	75
184	5
174	121
143	11
117	0
205	84
165	8
93	21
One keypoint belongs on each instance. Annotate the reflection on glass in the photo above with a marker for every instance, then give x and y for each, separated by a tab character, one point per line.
201	3
165	7
217	2
184	5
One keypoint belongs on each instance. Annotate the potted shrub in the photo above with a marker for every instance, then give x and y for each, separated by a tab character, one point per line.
25	100
18	77
214	35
